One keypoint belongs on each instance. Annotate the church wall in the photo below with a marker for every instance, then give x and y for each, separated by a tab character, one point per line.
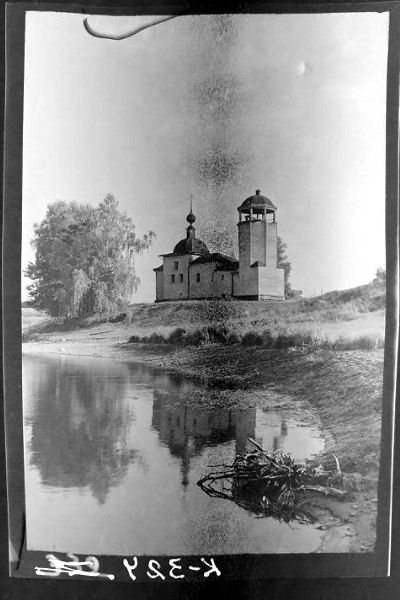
176	290
263	237
244	243
271	282
246	284
202	288
159	285
222	284
212	284
258	233
272	240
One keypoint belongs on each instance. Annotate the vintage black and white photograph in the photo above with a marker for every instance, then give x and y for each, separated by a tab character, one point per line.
203	278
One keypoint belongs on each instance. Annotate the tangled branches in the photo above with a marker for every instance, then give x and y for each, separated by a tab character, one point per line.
270	483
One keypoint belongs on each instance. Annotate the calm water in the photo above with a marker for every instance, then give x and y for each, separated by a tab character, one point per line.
113	454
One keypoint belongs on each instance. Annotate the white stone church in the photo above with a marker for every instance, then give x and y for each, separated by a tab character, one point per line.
192	272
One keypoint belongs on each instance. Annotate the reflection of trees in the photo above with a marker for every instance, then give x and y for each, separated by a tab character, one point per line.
186	430
79	424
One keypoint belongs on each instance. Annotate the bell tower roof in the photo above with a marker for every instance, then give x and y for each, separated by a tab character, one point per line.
258	204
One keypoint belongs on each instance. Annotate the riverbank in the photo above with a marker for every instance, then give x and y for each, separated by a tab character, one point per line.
344	387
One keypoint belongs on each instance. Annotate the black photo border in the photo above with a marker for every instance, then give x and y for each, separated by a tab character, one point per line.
376	566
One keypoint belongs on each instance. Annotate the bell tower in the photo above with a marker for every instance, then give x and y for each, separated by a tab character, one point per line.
259	276
258	236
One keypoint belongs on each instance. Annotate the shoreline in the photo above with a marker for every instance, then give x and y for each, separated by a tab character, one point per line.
330	381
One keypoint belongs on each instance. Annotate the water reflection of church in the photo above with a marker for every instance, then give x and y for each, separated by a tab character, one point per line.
80	419
186	430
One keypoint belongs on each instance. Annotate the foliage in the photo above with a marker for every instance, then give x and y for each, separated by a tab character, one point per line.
380	275
282	341
284	263
84	260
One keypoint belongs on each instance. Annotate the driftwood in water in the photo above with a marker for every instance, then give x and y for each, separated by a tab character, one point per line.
271	483
326	490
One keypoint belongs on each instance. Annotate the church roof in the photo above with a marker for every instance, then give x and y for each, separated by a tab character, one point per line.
191	245
257	202
225	263
258	263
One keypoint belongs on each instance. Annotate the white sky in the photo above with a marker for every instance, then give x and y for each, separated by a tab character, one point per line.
103	116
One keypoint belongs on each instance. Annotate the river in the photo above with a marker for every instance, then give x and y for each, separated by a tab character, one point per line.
113	451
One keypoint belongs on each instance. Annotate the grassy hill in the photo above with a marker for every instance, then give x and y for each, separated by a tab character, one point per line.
346	314
332	306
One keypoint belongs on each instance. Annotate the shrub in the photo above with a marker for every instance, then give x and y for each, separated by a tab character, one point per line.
157	338
221	335
295	340
118	318
217	335
267	338
134	339
233	338
363	342
176	336
281	341
197	337
251	338
69	324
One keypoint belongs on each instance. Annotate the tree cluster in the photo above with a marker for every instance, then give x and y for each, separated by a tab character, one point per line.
84	260
380	275
284	263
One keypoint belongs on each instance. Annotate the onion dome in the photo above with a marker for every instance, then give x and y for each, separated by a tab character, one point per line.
191	245
191	218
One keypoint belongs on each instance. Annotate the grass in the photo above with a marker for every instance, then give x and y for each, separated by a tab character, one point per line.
339	319
348	313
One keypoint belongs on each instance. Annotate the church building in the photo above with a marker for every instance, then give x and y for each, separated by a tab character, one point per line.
192	272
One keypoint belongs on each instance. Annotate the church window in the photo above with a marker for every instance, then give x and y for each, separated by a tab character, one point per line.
176	265
181	277
198	277
172	278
